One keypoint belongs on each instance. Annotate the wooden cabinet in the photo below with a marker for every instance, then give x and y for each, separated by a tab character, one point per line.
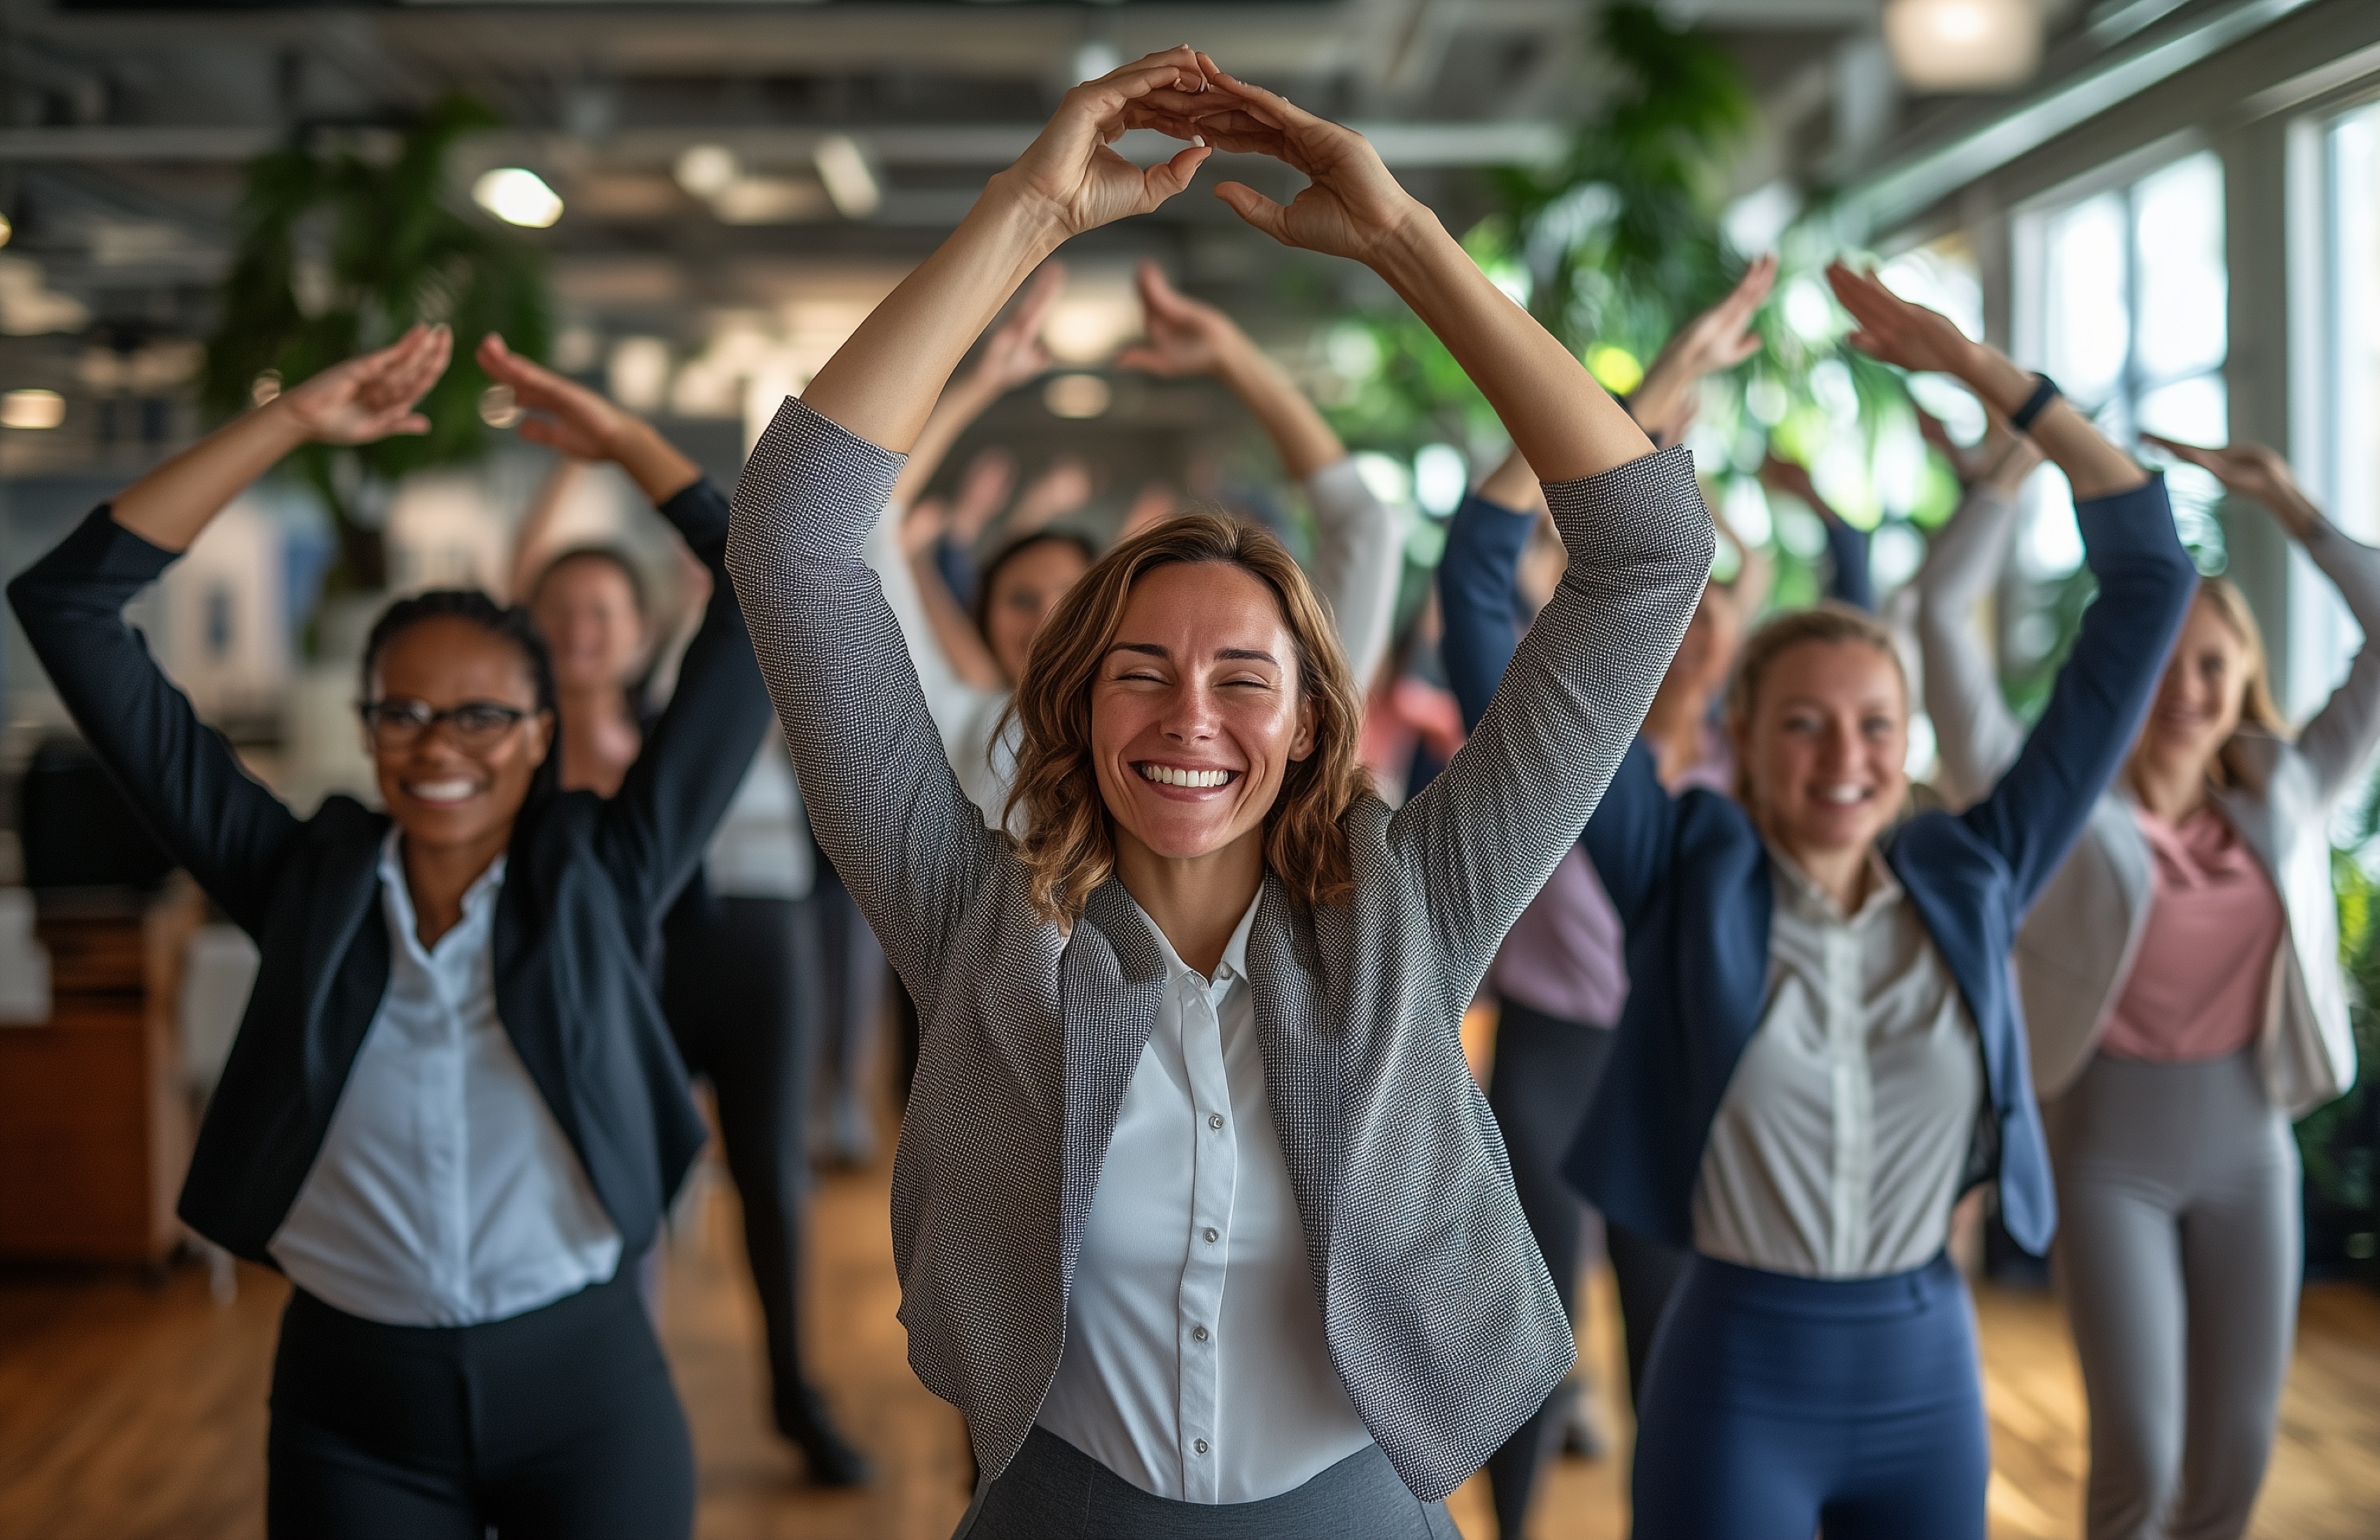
94	1116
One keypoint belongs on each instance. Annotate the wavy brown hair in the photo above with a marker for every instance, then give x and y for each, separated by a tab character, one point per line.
1068	843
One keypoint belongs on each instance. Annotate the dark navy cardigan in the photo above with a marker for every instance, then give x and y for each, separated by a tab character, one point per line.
1690	877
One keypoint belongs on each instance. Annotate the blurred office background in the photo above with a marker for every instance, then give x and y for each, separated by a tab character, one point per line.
2173	206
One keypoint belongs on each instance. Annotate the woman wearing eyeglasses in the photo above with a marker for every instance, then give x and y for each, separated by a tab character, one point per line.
452	1115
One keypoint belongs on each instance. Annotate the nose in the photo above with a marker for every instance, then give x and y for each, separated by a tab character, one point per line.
1190	713
1840	750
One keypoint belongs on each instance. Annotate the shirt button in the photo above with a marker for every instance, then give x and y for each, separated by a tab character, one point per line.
1197	1333
1214	1120
1213	1235
1201	1446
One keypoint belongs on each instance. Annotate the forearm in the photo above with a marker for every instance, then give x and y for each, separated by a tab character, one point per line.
169	506
656	466
1305	442
970	659
882	384
1559	420
2093	466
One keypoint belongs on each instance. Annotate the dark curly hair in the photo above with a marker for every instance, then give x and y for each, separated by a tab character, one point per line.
510	622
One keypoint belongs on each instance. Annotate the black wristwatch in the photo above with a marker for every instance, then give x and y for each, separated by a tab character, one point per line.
2045	390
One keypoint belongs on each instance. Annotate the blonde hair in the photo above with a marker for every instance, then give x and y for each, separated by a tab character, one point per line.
1068	844
2256	703
1830	622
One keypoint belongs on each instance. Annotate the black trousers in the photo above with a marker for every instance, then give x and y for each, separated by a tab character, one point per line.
1544	1074
558	1423
740	989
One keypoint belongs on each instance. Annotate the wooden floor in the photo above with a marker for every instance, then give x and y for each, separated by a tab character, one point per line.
129	1411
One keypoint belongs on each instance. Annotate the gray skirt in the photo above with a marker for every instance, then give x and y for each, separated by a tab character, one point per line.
1055	1491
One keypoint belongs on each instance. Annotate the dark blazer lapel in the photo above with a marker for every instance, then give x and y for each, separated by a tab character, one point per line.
347	897
1108	1014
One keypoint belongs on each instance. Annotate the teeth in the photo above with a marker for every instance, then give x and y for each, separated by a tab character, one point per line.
1844	795
1166	775
439	791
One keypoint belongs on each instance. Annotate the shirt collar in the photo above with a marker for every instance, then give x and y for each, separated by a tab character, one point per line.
1234	964
1812	901
476	898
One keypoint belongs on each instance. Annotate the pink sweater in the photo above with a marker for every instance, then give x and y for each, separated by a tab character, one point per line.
2198	988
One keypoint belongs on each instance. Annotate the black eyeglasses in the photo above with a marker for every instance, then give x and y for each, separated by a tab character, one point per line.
475	725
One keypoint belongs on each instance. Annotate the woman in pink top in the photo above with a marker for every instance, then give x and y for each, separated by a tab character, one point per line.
2183	1002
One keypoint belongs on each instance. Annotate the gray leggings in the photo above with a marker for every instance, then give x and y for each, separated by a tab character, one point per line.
2177	1255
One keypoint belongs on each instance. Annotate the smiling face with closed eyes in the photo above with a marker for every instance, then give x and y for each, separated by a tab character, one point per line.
1196	712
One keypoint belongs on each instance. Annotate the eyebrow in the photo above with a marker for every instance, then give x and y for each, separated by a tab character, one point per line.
1232	654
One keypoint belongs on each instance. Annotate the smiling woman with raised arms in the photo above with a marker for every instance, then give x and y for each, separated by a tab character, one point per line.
1820	1050
452	1115
1200	1216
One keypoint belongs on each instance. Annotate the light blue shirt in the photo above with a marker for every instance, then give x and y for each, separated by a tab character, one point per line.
445	1193
1196	1365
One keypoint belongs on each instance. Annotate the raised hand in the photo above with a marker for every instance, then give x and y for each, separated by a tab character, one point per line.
926	521
568	416
1013	354
2248	470
1721	337
372	397
1051	496
1352	206
562	414
1071	174
983	491
1893	329
1184	336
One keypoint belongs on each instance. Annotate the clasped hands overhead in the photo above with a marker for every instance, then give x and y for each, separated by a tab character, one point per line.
1073	177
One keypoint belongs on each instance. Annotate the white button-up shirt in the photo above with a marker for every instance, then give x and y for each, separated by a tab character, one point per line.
1196	1365
1838	1144
445	1193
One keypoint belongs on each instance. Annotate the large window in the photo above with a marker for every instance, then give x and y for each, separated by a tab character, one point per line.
2350	479
2122	302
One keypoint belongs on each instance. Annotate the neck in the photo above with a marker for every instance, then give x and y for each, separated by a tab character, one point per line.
1196	901
1842	875
2168	785
436	878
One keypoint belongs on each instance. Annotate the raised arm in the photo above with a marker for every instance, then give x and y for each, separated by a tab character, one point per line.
2145	582
1358	555
230	832
1721	337
2339	738
1978	736
871	763
655	827
1850	581
1484	543
1483	837
1012	355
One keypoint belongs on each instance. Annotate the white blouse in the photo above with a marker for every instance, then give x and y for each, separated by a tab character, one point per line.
1839	1143
1196	1365
445	1193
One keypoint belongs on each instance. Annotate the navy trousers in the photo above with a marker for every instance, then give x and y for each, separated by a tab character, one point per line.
1775	1408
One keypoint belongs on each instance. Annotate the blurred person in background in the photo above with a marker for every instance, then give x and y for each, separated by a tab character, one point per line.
740	946
2185	1003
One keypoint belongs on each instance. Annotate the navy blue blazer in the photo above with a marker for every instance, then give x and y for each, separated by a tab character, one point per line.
586	878
1697	859
1690	877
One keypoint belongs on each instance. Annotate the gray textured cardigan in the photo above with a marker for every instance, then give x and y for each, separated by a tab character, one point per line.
1441	1318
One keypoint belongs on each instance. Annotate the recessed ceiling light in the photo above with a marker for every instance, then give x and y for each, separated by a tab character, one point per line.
33	408
518	195
706	170
1077	395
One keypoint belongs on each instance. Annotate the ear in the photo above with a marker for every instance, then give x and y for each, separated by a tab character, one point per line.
1302	749
540	731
